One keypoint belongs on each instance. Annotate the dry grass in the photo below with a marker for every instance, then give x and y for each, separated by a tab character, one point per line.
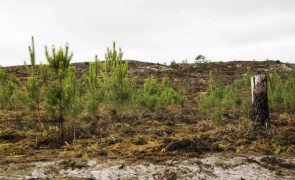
202	137
148	134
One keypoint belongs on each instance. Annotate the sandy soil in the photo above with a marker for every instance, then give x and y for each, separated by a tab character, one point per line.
214	166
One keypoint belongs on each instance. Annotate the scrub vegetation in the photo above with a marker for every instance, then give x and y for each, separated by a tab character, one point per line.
118	108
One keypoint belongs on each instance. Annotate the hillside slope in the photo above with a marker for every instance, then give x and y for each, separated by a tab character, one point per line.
174	132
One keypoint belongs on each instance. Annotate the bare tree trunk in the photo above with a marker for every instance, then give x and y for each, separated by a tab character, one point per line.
259	109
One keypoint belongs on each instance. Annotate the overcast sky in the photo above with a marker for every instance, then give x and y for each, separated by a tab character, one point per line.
150	30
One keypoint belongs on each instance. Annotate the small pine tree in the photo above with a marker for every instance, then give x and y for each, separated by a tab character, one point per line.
92	88
56	105
289	97
94	95
33	90
150	94
225	99
169	95
156	96
12	93
118	87
218	99
73	97
2	89
276	92
44	73
281	93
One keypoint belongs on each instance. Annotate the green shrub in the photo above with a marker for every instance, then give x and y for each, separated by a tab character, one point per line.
281	93
289	98
174	64
276	92
2	89
202	61
224	99
155	96
10	92
235	98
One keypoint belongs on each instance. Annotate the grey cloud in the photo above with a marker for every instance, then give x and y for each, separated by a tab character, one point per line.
150	30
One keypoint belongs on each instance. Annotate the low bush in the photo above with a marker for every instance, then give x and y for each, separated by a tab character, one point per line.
224	100
155	96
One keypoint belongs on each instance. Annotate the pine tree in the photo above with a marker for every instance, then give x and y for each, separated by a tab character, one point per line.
289	97
150	94
221	99
156	96
33	90
56	106
118	87
12	93
211	104
73	97
44	73
94	90
276	92
2	89
94	94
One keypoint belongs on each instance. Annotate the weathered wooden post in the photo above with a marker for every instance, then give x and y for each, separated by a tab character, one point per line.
259	109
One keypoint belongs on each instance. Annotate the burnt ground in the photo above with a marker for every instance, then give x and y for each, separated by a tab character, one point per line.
173	133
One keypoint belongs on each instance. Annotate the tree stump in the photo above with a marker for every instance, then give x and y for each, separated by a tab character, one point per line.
259	109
